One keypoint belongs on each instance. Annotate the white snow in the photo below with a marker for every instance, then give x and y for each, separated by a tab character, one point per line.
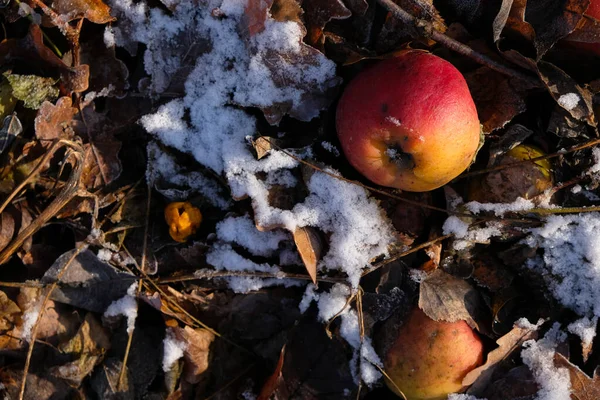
456	226
330	148
554	383
500	209
173	349
585	328
243	232
463	397
126	306
29	319
570	262
568	101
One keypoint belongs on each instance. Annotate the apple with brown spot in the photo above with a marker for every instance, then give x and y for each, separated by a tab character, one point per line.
409	122
427	359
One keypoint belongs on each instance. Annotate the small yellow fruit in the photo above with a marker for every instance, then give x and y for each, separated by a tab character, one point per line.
183	220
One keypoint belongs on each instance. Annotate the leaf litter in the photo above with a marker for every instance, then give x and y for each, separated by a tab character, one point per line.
215	96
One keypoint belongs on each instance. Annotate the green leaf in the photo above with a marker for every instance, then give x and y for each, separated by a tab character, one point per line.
32	90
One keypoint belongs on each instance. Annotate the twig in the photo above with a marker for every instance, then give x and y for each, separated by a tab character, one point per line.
427	30
210	274
142	268
67	193
500	167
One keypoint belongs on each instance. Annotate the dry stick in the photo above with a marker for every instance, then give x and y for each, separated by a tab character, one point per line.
246	274
34	329
67	193
139	288
391	195
573	149
427	30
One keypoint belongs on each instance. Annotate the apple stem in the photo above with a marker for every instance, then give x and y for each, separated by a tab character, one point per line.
427	29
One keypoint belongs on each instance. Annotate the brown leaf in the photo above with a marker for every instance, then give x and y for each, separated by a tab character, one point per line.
263	145
256	15
196	353
55	121
93	10
498	98
517	384
106	70
318	14
89	345
8	312
508	345
539	22
102	164
582	386
310	245
7	228
444	297
287	10
272	382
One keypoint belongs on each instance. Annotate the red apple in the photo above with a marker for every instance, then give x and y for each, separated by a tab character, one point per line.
409	122
428	360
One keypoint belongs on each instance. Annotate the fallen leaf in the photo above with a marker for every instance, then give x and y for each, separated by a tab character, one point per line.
88	346
196	353
273	381
310	246
255	15
7	228
93	10
517	384
55	121
287	10
32	90
106	70
106	384
40	386
508	345
89	283
498	98
582	386
9	312
317	14
444	297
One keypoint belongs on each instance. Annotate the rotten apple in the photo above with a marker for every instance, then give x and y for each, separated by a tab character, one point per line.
427	359
409	122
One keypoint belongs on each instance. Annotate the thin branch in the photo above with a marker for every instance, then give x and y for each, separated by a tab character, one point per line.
427	30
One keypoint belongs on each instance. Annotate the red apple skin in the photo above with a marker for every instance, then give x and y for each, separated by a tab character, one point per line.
594	12
415	102
428	359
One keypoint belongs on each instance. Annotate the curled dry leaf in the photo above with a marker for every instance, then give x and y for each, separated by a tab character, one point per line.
9	311
196	353
274	380
310	246
444	297
508	345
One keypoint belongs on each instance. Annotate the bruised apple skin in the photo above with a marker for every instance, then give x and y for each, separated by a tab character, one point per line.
428	359
409	122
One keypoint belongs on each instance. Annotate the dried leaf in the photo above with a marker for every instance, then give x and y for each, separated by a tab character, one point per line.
89	345
196	353
11	128
106	70
31	49
317	14
582	386
93	10
274	380
32	90
8	312
7	100
89	283
444	297
509	344
55	121
287	10
256	15
7	228
517	384
263	145
498	98
310	246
